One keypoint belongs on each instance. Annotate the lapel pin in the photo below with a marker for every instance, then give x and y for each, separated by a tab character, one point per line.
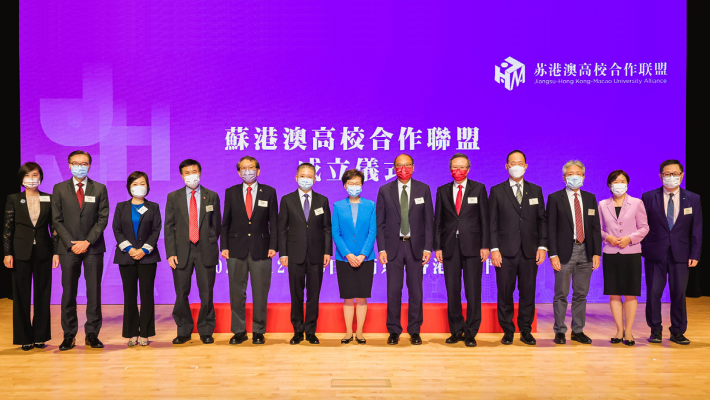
22	201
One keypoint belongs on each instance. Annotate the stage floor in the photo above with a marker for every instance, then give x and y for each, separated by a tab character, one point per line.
433	370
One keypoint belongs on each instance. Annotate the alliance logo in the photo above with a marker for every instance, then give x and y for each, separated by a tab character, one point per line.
514	73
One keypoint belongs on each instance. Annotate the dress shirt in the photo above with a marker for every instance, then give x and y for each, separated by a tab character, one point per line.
303	199
456	193
254	187
400	187
676	202
197	197
570	195
84	182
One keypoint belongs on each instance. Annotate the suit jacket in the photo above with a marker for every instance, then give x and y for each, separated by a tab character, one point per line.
298	237
472	222
421	219
513	224
20	234
560	225
177	227
149	227
74	223
632	222
686	237
242	236
354	238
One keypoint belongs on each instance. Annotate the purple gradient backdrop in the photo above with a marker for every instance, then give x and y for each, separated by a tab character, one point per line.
162	80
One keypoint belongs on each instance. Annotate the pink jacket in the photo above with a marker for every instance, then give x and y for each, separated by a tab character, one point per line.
632	222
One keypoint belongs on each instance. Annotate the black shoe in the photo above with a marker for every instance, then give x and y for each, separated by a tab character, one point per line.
93	341
680	339
312	339
630	342
393	339
238	338
68	343
182	339
656	337
415	339
455	337
297	338
348	340
207	339
527	338
40	345
28	347
360	341
616	340
581	338
258	338
470	341
507	339
560	338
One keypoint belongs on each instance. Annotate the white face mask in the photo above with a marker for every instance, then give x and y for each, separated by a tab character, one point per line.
192	181
618	188
30	182
139	191
305	183
671	182
516	171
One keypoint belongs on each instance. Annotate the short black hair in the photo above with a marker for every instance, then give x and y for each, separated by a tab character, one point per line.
189	162
459	155
671	162
507	158
135	175
28	167
403	154
615	174
250	158
78	153
352	173
306	165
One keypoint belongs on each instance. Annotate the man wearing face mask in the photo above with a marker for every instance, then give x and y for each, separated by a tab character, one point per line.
461	241
80	211
405	236
519	245
672	246
305	247
192	227
575	249
250	212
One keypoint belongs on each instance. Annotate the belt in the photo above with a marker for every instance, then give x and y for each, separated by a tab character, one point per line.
577	242
405	238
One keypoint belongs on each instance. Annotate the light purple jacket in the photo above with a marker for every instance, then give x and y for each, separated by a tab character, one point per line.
632	222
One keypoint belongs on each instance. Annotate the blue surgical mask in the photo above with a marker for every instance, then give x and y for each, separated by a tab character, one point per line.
79	171
305	183
574	182
354	190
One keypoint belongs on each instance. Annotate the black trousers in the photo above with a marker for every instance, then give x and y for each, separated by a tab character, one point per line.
524	270
137	323
395	283
677	274
37	329
310	277
472	270
205	277
93	273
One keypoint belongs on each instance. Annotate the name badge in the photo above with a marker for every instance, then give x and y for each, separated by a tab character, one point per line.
319	211
591	211
143	209
419	200
209	208
263	203
473	200
44	199
688	210
90	199
533	202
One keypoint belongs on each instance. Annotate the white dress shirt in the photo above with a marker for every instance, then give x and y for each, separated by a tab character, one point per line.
254	187
676	202
400	187
456	193
301	194
570	196
515	193
84	182
197	198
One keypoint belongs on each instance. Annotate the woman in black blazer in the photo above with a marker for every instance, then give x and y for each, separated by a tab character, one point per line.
31	252
136	225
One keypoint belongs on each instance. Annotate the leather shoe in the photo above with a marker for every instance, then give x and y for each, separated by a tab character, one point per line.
297	338
238	338
527	338
415	339
312	339
393	339
560	338
93	341
455	337
28	347
656	337
680	339
207	339
40	345
258	338
181	339
507	339
68	343
470	341
581	338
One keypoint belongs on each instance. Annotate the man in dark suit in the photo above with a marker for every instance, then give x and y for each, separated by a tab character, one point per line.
672	246
519	245
462	241
80	211
405	237
574	235
250	212
192	226
305	246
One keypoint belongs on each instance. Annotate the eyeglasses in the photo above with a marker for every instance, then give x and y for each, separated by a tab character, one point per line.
403	165
76	164
673	174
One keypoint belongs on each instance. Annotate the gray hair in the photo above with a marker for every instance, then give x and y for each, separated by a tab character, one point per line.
571	163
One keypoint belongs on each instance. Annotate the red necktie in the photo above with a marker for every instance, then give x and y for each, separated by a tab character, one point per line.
459	197
578	219
249	202
194	228
80	194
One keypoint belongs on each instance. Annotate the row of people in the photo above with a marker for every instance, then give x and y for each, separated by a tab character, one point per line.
511	225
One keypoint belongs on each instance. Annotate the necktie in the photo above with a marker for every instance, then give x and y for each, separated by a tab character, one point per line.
306	207
578	219
519	194
459	196
80	194
670	213
404	208
194	228
248	201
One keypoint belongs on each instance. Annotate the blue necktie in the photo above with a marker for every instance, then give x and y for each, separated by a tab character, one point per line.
670	214
306	206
